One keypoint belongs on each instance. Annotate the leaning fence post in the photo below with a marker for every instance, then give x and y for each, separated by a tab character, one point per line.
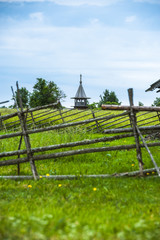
24	129
134	126
31	113
155	164
61	116
1	125
97	124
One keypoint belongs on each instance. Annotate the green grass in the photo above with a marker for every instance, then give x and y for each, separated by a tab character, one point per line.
118	209
82	209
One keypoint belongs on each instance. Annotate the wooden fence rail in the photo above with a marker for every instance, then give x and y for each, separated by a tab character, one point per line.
106	123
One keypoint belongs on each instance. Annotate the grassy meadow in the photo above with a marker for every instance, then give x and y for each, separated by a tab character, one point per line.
82	209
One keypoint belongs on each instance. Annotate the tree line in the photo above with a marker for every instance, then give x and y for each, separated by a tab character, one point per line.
46	92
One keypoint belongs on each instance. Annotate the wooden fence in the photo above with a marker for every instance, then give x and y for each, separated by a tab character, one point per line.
127	121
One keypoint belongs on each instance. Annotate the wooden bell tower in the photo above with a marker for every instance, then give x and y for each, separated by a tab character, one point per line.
80	99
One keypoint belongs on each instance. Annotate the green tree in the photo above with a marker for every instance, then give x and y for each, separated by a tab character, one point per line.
25	94
45	92
156	102
109	98
93	105
140	104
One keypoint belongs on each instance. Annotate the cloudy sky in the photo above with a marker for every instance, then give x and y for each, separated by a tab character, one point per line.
114	44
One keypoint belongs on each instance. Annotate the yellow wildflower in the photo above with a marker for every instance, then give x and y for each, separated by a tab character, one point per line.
147	173
59	185
40	177
153	172
132	164
29	186
94	189
47	175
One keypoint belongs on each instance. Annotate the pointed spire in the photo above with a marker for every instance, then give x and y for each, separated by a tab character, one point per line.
80	97
80	78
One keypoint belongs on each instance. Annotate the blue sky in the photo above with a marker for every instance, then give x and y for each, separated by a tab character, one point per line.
114	44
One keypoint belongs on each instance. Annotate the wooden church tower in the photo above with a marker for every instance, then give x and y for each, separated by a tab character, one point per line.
80	99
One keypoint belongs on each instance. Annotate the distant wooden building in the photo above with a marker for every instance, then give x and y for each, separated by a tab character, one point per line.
154	86
80	99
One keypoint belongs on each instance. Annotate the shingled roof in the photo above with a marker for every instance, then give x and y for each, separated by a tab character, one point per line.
154	86
80	92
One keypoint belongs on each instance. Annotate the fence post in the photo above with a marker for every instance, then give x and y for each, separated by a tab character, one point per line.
155	164
31	113
136	135
24	129
61	116
97	124
19	147
1	125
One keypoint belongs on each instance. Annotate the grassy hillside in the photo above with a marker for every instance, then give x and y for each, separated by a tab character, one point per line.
82	209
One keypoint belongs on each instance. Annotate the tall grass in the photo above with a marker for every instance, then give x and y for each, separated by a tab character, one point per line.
81	209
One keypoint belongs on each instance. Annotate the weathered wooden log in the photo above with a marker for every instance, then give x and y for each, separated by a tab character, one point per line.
4	102
136	108
59	126
29	110
66	145
74	113
65	177
24	129
74	152
143	129
142	120
19	147
133	120
147	123
82	116
119	122
90	128
4	117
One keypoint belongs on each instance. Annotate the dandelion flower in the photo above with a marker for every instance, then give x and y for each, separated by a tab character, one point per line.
94	189
153	172
47	175
59	185
147	173
29	186
132	164
40	177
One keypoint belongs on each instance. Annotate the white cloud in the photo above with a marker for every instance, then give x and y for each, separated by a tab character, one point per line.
149	1
94	21
71	2
130	19
87	2
112	58
104	53
37	16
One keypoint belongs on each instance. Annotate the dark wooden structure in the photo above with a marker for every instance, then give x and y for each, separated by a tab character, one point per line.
80	97
154	86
